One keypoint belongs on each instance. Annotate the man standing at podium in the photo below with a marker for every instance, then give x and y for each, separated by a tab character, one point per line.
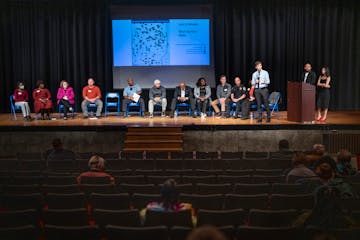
261	80
308	76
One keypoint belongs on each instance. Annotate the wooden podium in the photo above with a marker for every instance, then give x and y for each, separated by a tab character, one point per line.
300	102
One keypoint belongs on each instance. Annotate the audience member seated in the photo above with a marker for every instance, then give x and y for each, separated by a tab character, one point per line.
206	233
284	151
344	167
327	211
317	152
58	152
299	169
42	100
169	200
96	169
21	99
326	170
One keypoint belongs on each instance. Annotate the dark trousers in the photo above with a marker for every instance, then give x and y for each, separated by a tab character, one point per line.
191	101
261	96
66	104
202	105
126	102
245	107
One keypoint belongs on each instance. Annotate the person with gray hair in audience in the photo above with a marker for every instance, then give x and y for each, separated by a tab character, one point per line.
157	94
96	169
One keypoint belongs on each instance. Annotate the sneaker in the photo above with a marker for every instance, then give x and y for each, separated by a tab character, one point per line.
163	114
85	117
244	118
193	115
218	115
70	109
65	118
151	115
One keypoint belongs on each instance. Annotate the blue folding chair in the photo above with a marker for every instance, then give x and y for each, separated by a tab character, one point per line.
112	104
186	106
130	109
92	107
61	109
253	108
13	107
274	99
157	108
233	108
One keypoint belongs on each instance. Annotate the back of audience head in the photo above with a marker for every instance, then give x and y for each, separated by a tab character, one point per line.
344	156
169	194
299	158
206	233
57	144
325	168
284	145
96	163
319	149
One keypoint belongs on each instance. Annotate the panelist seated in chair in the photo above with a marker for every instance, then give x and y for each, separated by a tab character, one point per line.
223	91
91	95
42	100
239	96
66	97
21	99
183	94
157	95
130	95
202	93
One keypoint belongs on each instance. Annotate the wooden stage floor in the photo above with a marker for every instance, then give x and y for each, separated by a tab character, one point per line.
349	120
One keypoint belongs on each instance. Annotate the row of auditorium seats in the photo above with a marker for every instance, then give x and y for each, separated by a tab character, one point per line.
161	155
139	201
198	188
155	179
111	232
126	225
154	172
80	165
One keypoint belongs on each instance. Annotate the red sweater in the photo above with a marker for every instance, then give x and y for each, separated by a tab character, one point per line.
95	173
21	96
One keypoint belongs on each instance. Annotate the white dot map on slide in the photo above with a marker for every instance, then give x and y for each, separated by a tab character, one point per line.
150	43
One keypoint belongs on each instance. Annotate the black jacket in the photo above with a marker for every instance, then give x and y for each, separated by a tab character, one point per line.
311	78
188	92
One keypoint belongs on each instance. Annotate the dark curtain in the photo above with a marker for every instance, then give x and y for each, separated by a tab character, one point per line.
54	40
287	33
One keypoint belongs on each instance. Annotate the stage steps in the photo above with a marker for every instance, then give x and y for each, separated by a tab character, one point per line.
154	139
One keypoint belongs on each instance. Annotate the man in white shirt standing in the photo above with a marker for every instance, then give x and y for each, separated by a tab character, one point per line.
261	80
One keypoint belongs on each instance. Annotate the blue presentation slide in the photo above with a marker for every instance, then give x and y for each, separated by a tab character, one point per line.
165	42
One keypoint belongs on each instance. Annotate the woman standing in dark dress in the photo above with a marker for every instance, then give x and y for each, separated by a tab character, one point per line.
323	94
42	100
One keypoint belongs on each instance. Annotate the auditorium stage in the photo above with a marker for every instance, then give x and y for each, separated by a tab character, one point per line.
349	120
213	134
